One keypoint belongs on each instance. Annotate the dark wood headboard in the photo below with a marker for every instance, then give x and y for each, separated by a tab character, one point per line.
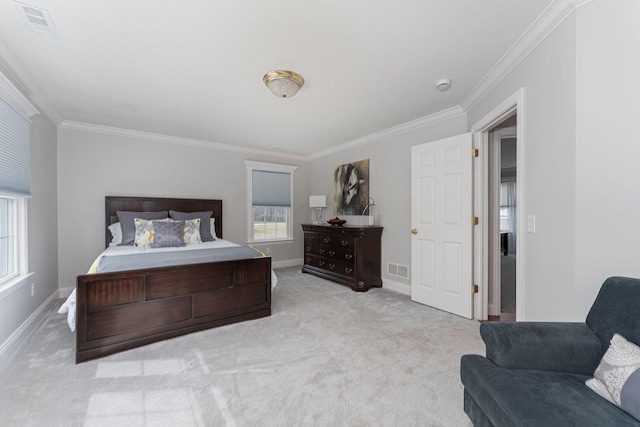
113	204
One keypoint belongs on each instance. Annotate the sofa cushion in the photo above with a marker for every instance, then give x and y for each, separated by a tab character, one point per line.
545	346
616	310
519	397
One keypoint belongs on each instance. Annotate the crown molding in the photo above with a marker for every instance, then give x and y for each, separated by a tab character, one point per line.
10	67
392	131
149	136
550	18
15	98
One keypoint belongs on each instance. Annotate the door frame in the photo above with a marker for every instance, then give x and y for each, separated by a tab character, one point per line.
513	104
495	175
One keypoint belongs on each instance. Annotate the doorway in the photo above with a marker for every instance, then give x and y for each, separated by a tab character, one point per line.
486	236
503	220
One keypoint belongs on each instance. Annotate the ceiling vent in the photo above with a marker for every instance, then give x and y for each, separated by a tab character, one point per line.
38	20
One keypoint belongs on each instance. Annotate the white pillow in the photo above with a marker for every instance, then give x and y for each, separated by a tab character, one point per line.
213	228
116	232
617	378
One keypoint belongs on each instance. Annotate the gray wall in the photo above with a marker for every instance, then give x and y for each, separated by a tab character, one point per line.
17	306
580	153
548	123
390	186
92	165
607	229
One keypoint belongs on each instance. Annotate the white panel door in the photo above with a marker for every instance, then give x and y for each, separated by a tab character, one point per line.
441	217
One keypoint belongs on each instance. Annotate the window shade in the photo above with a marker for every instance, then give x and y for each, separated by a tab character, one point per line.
15	158
270	188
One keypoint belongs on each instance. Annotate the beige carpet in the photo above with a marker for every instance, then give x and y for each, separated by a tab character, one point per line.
326	357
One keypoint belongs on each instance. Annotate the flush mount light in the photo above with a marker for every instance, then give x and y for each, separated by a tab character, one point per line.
282	83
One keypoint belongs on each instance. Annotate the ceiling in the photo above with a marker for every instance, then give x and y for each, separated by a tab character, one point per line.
193	69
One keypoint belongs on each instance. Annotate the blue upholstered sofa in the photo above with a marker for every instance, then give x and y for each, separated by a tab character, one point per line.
534	373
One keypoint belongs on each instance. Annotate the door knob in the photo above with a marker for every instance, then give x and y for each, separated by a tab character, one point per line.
414	231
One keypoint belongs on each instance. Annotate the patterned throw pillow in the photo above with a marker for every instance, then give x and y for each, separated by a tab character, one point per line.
144	232
617	378
192	232
168	233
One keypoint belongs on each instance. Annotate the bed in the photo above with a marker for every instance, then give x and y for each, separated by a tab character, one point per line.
122	310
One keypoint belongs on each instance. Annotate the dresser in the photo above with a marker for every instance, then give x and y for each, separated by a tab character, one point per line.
349	255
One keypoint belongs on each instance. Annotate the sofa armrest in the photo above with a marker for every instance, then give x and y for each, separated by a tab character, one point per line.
552	346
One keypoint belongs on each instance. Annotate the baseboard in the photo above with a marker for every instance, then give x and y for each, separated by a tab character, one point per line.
12	344
65	292
392	285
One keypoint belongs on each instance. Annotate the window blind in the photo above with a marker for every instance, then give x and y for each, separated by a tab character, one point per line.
15	153
270	188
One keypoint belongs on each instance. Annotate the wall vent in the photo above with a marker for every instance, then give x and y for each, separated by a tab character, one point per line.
398	270
38	20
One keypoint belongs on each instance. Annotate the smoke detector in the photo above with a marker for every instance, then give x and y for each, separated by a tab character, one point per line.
443	84
38	20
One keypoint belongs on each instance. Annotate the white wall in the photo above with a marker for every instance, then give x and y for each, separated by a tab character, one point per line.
18	305
92	165
390	185
607	146
549	125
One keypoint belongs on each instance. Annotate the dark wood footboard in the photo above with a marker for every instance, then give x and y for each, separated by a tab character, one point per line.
124	310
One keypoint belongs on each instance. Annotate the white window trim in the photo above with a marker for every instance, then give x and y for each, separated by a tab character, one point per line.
10	283
267	167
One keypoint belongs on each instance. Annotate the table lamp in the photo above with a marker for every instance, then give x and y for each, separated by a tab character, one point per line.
317	203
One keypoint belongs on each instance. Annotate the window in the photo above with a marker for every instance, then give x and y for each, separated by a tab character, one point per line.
508	206
270	192
15	187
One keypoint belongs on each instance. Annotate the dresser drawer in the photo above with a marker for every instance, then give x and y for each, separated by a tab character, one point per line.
336	267
337	241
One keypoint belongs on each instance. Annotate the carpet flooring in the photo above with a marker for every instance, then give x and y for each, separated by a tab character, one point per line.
327	356
508	283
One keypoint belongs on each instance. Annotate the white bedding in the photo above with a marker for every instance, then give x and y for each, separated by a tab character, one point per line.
69	306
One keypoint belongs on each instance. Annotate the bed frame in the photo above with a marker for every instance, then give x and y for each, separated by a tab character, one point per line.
128	309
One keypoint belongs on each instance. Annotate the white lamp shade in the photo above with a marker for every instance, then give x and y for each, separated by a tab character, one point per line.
318	201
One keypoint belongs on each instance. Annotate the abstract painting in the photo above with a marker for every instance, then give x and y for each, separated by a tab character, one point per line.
351	188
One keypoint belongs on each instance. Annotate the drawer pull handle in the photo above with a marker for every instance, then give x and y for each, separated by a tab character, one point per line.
332	266
332	253
327	239
348	270
308	260
308	248
345	242
311	237
321	263
348	256
321	251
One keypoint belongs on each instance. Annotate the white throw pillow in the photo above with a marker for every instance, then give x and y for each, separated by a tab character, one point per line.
213	228
617	377
116	233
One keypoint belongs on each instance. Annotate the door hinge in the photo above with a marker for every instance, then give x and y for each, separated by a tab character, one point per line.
474	289
475	152
475	220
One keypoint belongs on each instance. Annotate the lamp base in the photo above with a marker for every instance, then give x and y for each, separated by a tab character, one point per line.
318	217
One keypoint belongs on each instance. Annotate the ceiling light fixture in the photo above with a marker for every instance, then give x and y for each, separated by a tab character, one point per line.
283	84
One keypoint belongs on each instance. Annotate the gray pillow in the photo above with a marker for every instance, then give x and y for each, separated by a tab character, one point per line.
168	234
129	228
205	222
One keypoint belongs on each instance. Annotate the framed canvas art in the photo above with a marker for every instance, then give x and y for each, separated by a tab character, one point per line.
351	188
